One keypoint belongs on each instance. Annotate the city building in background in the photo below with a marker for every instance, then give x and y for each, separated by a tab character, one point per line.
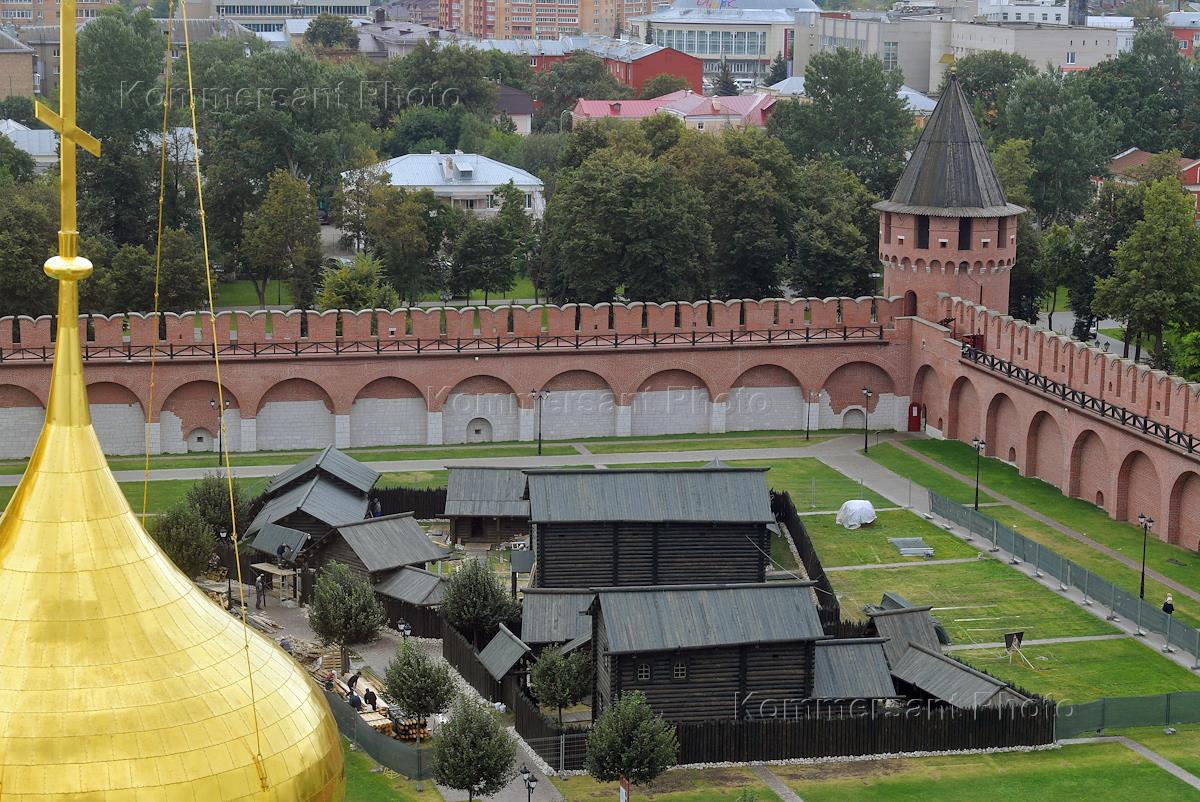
19	13
698	112
465	180
533	19
18	67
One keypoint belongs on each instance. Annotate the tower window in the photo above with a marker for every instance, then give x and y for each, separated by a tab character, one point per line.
1002	233
923	231
964	233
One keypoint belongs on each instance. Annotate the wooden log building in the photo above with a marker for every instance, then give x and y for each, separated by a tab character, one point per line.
649	526
413	595
487	505
373	548
327	489
704	652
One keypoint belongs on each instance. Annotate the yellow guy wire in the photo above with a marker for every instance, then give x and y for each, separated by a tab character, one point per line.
212	320
162	185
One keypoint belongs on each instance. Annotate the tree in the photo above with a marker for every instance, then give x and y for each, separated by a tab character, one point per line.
357	284
835	234
778	71
986	79
417	683
1107	222
580	76
1156	283
408	232
352	201
117	195
473	751
18	108
1070	141
560	680
629	741
331	31
854	117
649	38
664	84
1015	171
436	76
624	219
725	86
476	601
509	69
183	286
344	610
28	233
1059	256
184	537
209	499
120	60
15	162
283	239
127	283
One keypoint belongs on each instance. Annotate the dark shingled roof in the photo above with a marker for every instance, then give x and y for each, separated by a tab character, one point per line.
701	495
390	542
949	680
499	656
555	616
852	669
669	617
950	173
330	461
324	499
413	585
272	535
486	492
901	627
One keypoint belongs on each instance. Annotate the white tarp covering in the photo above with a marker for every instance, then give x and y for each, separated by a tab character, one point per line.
854	514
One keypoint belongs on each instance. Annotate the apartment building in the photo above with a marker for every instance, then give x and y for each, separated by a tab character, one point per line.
537	19
20	13
271	17
17	75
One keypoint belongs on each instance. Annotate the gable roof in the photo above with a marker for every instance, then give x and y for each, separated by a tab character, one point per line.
701	495
1127	161
909	625
670	617
332	462
499	492
551	615
949	680
852	669
324	499
751	108
456	169
413	585
511	100
271	536
950	173
10	44
502	653
390	542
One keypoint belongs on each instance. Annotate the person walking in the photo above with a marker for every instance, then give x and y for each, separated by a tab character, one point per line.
1169	605
260	593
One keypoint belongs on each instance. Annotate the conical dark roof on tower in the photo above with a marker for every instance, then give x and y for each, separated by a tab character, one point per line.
950	173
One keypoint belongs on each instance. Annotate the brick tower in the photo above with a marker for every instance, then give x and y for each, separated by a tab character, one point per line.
948	227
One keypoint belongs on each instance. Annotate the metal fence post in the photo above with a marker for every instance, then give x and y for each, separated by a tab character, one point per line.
562	753
1112	606
908	506
1015	560
1086	576
1064	583
1141	633
1167	648
995	528
1196	652
814	493
1037	559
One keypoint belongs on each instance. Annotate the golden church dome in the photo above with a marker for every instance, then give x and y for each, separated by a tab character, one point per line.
120	681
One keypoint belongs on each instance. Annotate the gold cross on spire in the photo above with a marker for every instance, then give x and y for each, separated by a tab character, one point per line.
68	265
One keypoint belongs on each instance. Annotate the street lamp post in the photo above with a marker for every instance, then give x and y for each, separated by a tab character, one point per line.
812	397
530	780
1146	522
538	395
979	446
866	413
212	403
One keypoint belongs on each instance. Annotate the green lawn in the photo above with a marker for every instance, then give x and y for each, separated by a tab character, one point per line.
1070	774
837	545
781	553
366	783
802	477
521	290
681	785
976	602
1087	670
1115	334
241	293
925	475
1182	748
1179	564
1061	298
161	494
418	479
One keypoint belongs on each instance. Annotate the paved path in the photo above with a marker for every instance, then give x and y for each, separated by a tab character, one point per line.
958	647
1066	530
772	781
912	564
1163	763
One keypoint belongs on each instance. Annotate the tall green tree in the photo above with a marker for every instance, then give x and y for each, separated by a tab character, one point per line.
664	84
559	680
987	78
117	195
182	286
1071	141
344	610
352	201
28	234
778	71
1015	171
357	284
580	76
629	741
417	683
16	163
473	751
1059	257
510	69
725	86
854	117
209	498
185	538
623	219
120	59
1156	283
332	31
19	109
835	234
283	241
435	75
409	232
1106	223
476	601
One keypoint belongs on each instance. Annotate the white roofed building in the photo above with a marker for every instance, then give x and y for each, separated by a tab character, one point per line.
40	143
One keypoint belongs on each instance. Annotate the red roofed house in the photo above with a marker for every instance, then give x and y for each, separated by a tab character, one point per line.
1125	165
699	112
